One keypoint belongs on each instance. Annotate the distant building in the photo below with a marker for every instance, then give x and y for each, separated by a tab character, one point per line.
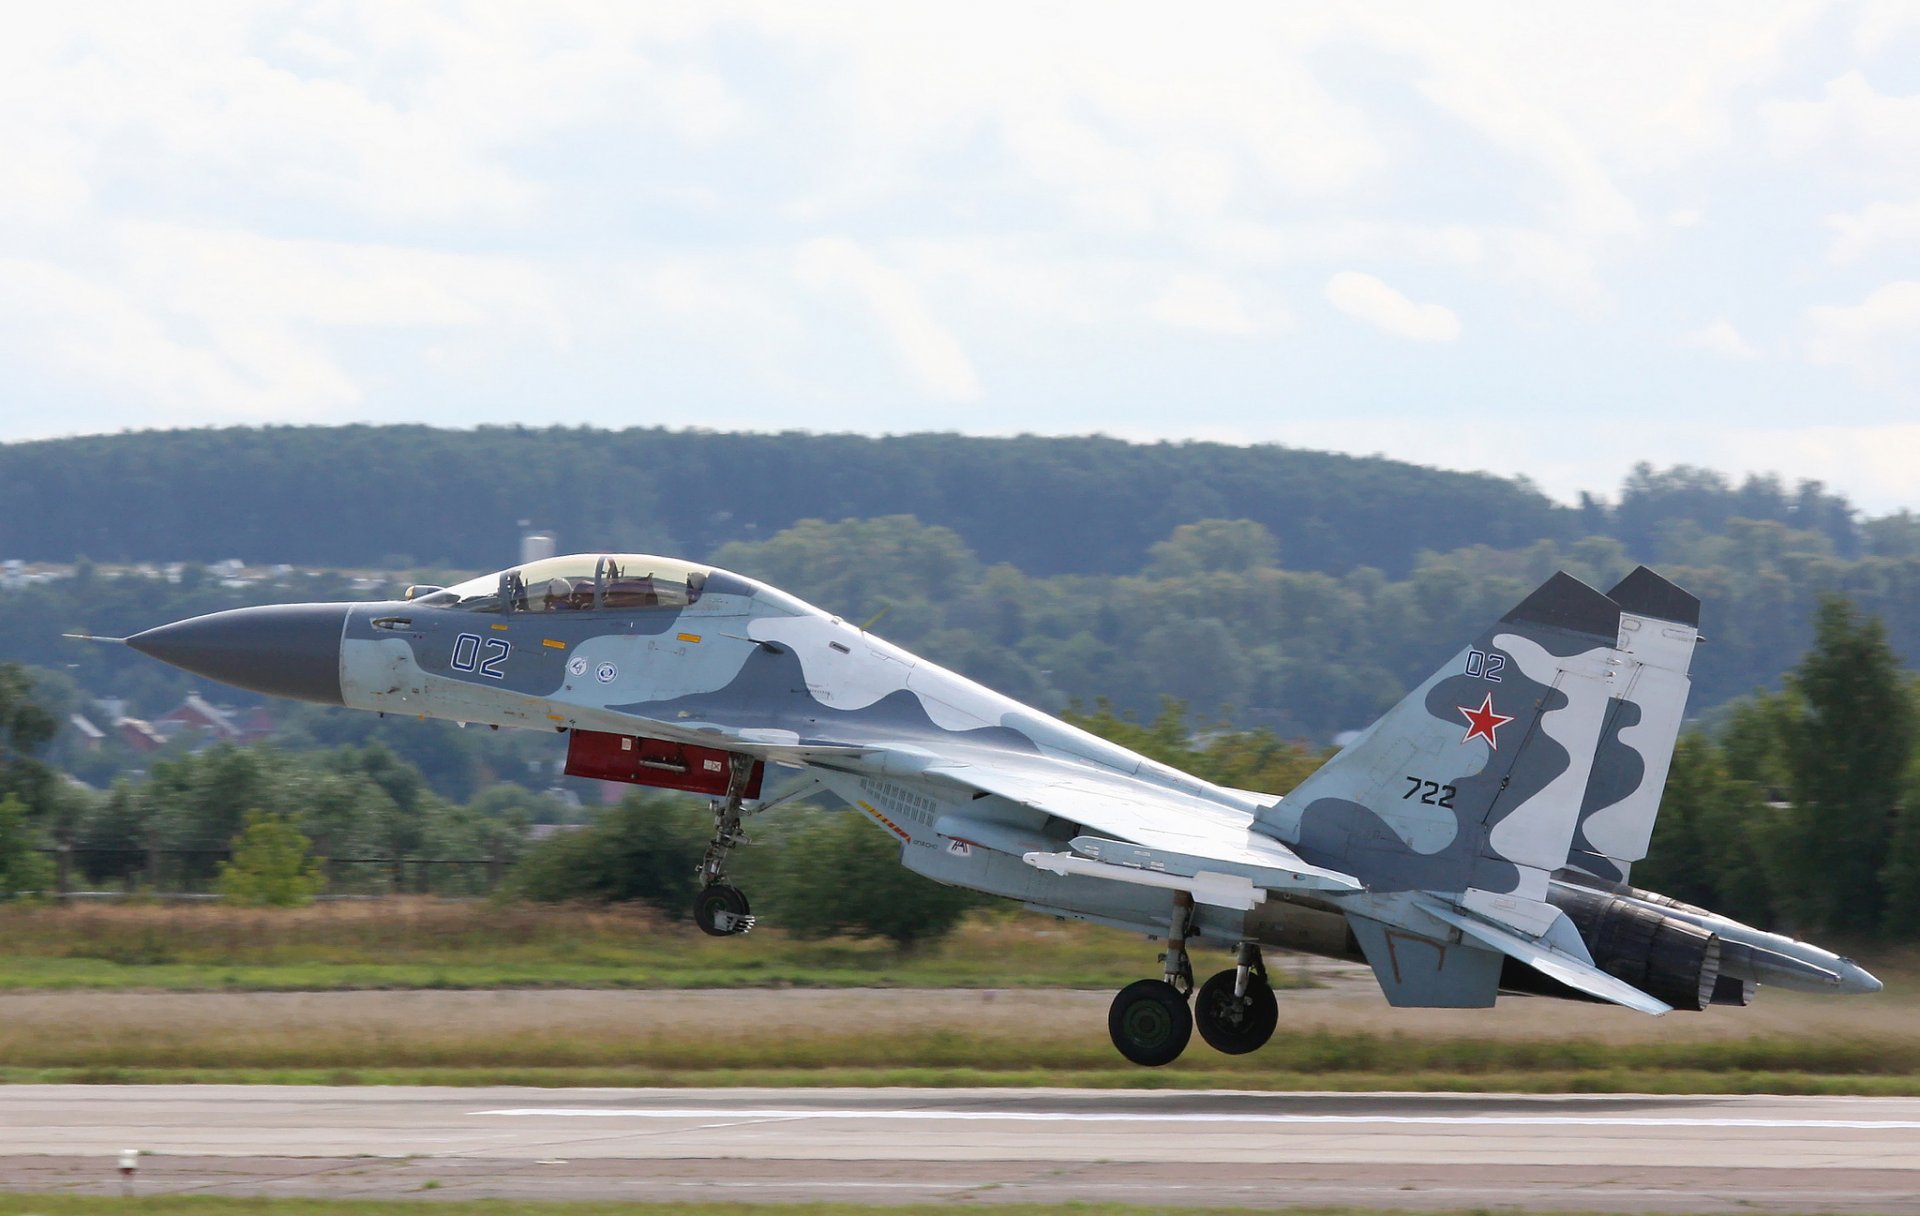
91	736
197	713
139	735
536	546
218	724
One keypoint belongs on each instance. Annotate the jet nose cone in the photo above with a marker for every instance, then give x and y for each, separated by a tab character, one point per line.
284	650
1855	978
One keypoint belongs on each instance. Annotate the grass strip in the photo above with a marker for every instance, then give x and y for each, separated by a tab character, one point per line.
430	944
270	1040
224	1205
228	1205
1593	1081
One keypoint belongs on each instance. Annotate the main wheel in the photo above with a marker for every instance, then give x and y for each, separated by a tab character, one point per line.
721	910
1235	1025
1150	1022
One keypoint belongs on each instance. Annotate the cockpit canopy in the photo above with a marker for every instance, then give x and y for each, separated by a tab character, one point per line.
621	582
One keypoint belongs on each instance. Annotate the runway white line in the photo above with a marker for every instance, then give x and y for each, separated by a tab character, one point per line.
1027	1116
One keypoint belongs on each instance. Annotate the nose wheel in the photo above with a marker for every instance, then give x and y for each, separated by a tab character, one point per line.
721	911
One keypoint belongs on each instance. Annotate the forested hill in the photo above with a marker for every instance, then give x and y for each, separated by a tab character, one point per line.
416	496
1293	589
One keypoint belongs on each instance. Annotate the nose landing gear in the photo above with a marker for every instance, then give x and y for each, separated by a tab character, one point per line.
720	909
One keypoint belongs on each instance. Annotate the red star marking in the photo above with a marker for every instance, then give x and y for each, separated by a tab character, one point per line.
1483	722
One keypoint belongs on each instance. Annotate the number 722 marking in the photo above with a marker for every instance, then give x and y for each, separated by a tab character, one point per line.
1431	792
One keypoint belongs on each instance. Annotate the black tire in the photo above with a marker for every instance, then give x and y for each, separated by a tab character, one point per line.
1150	1022
721	911
1235	1026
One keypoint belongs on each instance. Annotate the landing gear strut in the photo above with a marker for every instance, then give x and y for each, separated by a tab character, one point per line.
1149	1021
1235	1010
720	909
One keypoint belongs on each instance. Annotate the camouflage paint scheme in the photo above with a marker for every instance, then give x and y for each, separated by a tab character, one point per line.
1446	845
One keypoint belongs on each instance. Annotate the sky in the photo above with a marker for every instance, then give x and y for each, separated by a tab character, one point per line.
1549	239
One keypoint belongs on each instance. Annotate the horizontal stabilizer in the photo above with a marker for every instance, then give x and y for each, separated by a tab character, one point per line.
1274	867
1550	961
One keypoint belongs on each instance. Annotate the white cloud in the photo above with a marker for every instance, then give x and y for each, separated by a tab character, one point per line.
250	327
1367	298
1875	339
1203	302
930	354
1345	239
89	334
1873	137
1562	269
1872	465
1594	98
1882	22
1872	229
363	209
1720	338
1565	454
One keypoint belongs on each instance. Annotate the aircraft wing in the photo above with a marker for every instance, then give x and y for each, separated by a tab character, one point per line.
1134	824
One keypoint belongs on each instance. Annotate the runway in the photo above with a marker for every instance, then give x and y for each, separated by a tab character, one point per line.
1594	1153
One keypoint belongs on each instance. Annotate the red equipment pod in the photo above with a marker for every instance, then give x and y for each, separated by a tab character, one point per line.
655	762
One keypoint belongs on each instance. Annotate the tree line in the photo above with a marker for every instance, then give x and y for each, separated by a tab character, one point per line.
1797	809
1214	616
414	496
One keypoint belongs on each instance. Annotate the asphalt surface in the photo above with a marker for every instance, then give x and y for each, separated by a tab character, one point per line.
1593	1153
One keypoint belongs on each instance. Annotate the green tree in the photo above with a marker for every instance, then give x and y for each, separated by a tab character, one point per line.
24	870
25	729
646	849
1848	753
272	865
1207	546
111	839
1711	837
832	873
1240	759
1901	876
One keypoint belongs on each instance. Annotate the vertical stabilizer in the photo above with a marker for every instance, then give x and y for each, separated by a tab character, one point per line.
1659	628
1474	780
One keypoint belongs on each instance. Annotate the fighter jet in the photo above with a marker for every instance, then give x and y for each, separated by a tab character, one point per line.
1474	841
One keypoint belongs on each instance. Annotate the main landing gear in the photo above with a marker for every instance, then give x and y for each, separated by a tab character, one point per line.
1235	1011
721	909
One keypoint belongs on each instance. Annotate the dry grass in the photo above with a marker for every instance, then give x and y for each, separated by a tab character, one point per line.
1340	1036
1009	999
424	943
225	1205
